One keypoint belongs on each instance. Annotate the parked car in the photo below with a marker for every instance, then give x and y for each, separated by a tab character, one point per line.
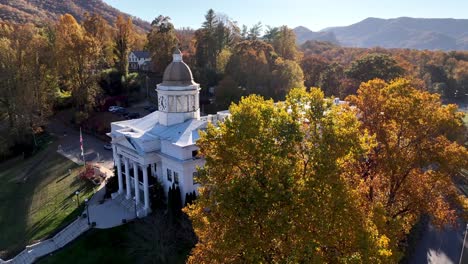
133	115
114	108
108	146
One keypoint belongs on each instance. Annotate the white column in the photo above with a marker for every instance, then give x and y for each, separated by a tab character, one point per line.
145	186
119	173
137	184
114	153
127	178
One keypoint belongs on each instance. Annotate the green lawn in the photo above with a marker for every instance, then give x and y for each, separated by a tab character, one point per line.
96	246
154	239
37	197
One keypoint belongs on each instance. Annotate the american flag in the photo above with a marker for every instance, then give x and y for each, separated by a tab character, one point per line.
81	144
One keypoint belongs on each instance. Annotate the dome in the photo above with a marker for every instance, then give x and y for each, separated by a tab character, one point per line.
177	73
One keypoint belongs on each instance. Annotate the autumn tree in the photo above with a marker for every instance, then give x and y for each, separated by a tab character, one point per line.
284	43
27	80
251	65
98	29
123	40
271	187
287	74
312	66
409	171
330	79
162	41
78	56
374	66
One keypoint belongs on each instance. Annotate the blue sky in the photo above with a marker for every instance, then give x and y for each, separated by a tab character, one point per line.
313	14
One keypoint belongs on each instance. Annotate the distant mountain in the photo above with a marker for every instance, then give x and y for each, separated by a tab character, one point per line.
405	32
40	11
304	34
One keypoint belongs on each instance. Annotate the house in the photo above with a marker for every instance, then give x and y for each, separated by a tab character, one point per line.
139	61
161	146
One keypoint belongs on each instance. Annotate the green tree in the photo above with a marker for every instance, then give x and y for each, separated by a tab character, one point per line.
287	74
284	43
162	41
330	79
373	66
213	41
251	65
255	31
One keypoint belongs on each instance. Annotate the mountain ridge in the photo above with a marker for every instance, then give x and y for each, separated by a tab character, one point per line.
43	11
403	32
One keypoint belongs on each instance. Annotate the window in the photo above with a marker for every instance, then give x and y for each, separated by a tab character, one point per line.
176	177
194	153
194	177
169	175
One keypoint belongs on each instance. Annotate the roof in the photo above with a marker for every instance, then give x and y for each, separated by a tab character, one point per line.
183	134
141	54
144	133
177	73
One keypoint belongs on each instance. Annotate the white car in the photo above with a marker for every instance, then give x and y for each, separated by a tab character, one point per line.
114	108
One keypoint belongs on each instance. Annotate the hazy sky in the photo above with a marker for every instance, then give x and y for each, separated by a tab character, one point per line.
313	14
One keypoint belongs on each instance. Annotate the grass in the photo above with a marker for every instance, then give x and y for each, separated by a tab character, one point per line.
37	197
96	246
154	239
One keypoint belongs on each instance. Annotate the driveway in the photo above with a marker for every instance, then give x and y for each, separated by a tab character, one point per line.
69	140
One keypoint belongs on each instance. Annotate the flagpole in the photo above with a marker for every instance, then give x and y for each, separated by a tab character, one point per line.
82	148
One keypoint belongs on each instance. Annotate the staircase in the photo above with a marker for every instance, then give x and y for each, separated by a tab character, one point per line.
129	205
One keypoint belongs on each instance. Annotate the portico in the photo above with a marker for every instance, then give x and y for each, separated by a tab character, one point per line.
134	177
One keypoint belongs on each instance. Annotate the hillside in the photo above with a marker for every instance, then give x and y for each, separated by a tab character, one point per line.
40	11
304	34
405	32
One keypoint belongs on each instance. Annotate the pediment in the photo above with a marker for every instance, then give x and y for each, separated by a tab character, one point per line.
125	142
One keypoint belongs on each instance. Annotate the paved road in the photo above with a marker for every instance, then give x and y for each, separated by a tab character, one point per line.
69	139
440	246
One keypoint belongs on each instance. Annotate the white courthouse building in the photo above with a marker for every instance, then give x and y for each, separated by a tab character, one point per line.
161	146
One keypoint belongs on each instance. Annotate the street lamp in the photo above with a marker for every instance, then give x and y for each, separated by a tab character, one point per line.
87	210
77	193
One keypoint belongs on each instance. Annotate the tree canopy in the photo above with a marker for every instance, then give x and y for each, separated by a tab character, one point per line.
162	41
280	178
271	187
374	66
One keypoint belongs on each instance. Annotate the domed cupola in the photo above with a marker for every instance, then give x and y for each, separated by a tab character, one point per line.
177	73
178	94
